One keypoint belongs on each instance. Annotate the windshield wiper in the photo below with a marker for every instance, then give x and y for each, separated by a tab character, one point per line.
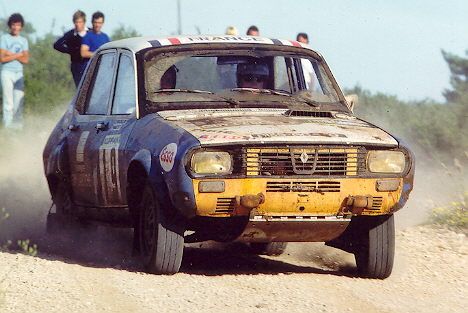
265	91
183	90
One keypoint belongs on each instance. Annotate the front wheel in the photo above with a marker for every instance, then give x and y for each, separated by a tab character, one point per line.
161	239
375	250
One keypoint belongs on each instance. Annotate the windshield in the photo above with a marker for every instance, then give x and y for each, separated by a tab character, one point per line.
241	78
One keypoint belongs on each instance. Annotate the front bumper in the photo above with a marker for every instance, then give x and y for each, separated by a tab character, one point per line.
297	197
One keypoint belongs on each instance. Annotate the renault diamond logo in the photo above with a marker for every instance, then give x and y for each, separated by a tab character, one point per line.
304	157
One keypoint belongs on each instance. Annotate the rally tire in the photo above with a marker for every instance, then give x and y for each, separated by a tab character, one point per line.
268	248
376	249
161	238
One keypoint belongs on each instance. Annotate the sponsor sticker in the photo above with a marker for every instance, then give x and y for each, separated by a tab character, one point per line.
167	156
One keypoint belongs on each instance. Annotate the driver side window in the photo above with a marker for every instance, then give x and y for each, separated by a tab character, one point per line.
98	99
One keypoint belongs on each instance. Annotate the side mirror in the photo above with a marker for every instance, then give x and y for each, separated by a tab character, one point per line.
352	101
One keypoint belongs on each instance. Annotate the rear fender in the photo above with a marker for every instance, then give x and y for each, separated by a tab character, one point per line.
57	163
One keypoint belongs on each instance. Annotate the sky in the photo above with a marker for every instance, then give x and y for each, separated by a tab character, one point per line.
385	46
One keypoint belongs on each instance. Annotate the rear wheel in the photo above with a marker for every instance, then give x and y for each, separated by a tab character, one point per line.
161	238
375	249
268	248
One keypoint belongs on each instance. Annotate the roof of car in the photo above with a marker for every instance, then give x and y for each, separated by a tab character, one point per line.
139	43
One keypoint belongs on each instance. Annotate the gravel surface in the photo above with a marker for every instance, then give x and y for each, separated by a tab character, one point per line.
95	273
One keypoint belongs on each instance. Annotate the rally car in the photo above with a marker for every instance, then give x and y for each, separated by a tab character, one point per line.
225	138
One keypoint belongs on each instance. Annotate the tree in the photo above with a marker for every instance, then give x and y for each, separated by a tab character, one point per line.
459	76
123	32
457	97
48	82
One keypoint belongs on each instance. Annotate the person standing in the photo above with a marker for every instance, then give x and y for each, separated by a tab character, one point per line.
94	38
70	43
303	38
307	67
231	31
253	31
14	52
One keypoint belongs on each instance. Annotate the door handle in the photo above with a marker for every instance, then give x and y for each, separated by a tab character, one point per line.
101	126
73	127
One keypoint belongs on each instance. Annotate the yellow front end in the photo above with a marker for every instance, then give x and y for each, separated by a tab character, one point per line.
297	197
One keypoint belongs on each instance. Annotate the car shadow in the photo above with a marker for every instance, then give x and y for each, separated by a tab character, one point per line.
237	259
108	247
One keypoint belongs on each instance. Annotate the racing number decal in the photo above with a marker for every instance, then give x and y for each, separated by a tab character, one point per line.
167	156
109	169
81	145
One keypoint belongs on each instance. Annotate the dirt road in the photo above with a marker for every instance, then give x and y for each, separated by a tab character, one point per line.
99	275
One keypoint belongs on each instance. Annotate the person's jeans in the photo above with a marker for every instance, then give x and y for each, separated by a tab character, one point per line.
77	69
13	98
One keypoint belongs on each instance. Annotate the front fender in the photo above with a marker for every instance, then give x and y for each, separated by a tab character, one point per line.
144	158
177	182
165	173
408	180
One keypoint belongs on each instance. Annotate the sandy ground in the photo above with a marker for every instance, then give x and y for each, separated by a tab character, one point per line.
99	275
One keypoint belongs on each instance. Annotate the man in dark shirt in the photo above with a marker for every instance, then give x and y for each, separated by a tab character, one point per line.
94	38
70	43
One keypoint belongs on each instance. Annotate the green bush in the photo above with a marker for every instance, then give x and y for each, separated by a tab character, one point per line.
453	216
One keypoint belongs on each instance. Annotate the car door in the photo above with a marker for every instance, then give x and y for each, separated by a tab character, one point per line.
112	156
90	126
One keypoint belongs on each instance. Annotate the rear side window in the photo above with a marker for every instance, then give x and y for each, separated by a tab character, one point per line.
124	98
102	85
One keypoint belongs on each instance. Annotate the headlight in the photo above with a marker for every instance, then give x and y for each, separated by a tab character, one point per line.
386	161
211	162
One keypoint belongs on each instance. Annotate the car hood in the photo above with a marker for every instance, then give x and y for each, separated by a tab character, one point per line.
230	126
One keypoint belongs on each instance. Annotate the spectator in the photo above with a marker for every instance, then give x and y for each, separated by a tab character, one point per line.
231	30
70	43
303	38
94	38
14	52
307	67
253	31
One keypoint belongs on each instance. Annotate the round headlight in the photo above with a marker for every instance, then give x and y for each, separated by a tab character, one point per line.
386	161
211	162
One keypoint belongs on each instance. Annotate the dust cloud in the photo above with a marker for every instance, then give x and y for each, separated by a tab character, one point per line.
23	188
435	184
24	194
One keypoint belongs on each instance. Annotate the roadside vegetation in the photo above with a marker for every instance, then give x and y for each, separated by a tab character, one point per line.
453	216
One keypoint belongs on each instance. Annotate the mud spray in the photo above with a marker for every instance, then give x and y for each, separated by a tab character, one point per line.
25	196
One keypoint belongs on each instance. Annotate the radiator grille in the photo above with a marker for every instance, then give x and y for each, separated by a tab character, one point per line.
225	205
376	203
309	186
315	161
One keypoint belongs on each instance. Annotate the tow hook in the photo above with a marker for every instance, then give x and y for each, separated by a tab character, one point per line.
246	203
357	204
